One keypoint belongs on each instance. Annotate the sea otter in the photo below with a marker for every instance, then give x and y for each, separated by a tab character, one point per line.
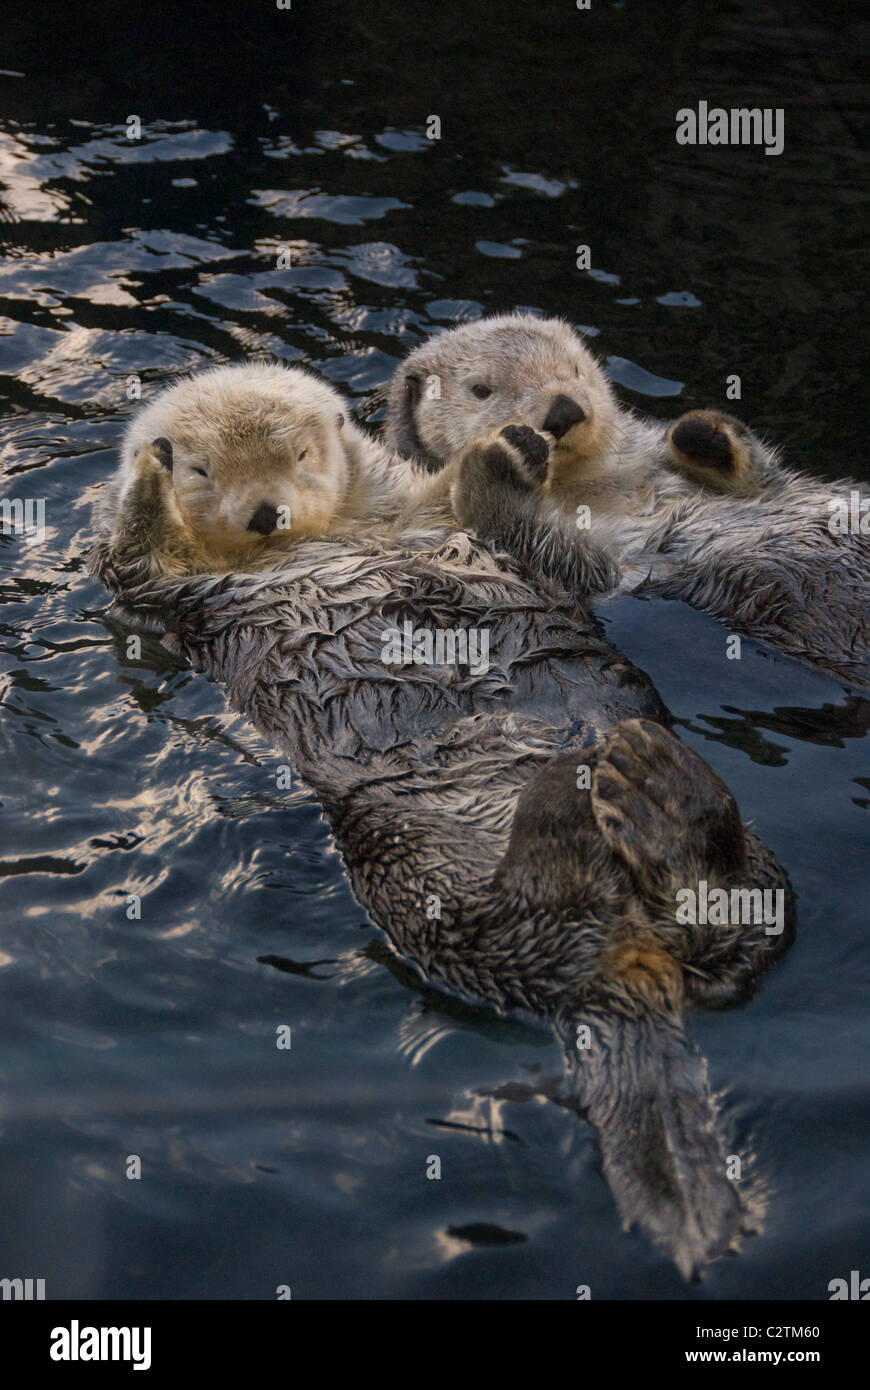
601	500
260	456
524	830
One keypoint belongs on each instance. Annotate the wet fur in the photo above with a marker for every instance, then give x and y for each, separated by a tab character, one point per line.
702	509
444	781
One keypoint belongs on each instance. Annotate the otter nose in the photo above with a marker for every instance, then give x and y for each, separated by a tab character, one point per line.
563	413
264	520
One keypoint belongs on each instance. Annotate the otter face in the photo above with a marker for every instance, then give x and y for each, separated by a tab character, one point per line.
473	379
257	454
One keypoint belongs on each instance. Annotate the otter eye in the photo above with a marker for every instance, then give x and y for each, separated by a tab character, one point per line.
481	392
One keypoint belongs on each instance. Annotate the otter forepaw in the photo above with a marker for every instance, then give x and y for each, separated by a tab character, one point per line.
150	519
707	445
663	810
514	455
497	473
162	449
533	450
154	456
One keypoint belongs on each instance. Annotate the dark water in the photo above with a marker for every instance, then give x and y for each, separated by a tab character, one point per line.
304	129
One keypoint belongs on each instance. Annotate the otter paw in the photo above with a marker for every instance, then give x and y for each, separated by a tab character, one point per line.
707	446
533	449
155	457
663	810
515	456
163	451
149	499
497	474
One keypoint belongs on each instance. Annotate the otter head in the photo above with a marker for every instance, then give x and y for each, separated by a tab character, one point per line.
258	453
470	380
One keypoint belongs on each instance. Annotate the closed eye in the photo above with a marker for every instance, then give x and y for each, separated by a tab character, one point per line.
203	472
301	456
481	391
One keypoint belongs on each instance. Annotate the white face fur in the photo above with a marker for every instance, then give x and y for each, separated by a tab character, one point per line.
258	453
470	380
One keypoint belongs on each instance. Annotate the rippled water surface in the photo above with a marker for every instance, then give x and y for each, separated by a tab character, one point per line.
304	131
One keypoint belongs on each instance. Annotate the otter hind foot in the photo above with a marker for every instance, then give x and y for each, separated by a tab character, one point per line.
663	810
707	446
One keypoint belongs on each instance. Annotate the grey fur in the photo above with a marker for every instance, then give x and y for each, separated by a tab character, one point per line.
767	563
441	781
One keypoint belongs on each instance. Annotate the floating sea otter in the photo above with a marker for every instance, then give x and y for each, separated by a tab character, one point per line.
536	799
599	499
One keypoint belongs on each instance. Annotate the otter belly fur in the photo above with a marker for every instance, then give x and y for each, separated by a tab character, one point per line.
550	468
537	799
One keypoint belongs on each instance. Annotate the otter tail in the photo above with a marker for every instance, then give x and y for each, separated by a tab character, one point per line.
635	1077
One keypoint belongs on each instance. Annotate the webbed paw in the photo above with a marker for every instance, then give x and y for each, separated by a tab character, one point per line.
709	447
667	814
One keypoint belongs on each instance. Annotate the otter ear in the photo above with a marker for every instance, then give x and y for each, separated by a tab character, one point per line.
402	432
